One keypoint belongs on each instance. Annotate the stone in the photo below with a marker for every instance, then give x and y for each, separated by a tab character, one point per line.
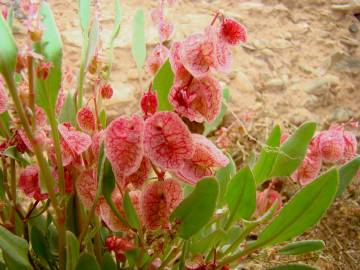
353	28
281	44
341	115
275	84
312	102
243	83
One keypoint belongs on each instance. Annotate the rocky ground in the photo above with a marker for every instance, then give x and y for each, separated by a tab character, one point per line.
302	62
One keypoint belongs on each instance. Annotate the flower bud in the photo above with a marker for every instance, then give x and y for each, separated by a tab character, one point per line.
106	91
86	119
149	103
43	70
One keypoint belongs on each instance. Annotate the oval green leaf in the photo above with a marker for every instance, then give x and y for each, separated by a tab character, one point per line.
197	209
130	212
301	247
108	262
84	10
138	48
241	195
264	165
293	267
88	262
346	173
39	244
293	150
72	251
162	84
302	212
224	175
8	49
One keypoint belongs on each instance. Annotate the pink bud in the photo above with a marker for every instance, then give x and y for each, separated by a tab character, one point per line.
265	199
233	32
106	91
4	99
167	140
350	146
332	145
5	12
156	58
86	119
29	183
149	103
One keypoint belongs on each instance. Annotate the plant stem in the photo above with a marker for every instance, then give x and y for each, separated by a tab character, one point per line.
13	190
4	129
43	165
31	90
237	256
170	257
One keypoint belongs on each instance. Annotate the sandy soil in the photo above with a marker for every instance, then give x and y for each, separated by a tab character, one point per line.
302	62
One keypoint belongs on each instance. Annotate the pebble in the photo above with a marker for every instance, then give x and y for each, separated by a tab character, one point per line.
312	102
353	28
243	83
299	117
275	84
341	115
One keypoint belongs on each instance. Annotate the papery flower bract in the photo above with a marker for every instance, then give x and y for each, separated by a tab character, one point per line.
165	29
29	183
43	70
86	187
21	141
198	101
350	146
331	145
4	99
138	178
119	246
149	103
60	101
97	139
106	91
4	12
232	32
181	74
156	15
77	141
157	202
265	199
167	140
86	119
156	58
206	157
124	144
40	116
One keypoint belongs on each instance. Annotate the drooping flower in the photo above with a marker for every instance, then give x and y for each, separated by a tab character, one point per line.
265	199
77	141
232	32
350	146
86	187
118	245
138	178
86	119
124	144
43	70
181	74
4	99
158	200
29	183
167	140
106	91
206	157
149	103
165	29
331	145
198	101
60	101
157	58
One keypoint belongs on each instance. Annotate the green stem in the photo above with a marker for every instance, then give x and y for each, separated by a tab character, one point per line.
13	190
4	129
31	90
237	256
173	254
43	165
80	86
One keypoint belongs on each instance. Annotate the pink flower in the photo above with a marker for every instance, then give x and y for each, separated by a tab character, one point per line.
77	141
181	73
60	101
124	144
199	100
232	32
5	12
158	200
29	183
265	199
157	58
86	187
119	246
106	91
97	139
138	178
332	145
156	15
165	30
40	116
206	157
350	146
86	119
149	103
4	99
167	140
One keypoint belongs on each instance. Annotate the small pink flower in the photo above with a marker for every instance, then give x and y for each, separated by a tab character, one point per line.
181	73
156	15
60	101
124	144
4	99
77	141
157	58
158	200
43	70
149	103
119	246
350	146
233	32
167	140
86	187
198	101
265	199
308	169
21	141
206	157
332	145
138	178
5	12
165	30
106	91
97	139
86	119
29	183
40	116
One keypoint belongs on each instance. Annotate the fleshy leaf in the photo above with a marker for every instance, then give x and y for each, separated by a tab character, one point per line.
162	84
108	262
88	262
130	212
138	48
197	209
84	8
347	173
8	49
224	175
67	113
72	251
293	267
302	247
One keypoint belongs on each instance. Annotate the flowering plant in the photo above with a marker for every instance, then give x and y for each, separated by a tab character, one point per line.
143	191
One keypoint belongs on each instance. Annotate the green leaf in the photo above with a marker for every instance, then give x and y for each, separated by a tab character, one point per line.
68	113
12	152
51	47
224	175
10	18
5	119
302	247
117	21
138	48
108	262
346	173
102	118
133	257
264	165
197	209
8	49
88	262
202	244
14	247
209	127
162	84
72	251
241	195
39	244
84	10
94	37
293	150
130	212
302	212
293	267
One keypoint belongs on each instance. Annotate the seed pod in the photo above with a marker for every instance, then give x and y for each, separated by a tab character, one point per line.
106	91
149	103
232	32
86	119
